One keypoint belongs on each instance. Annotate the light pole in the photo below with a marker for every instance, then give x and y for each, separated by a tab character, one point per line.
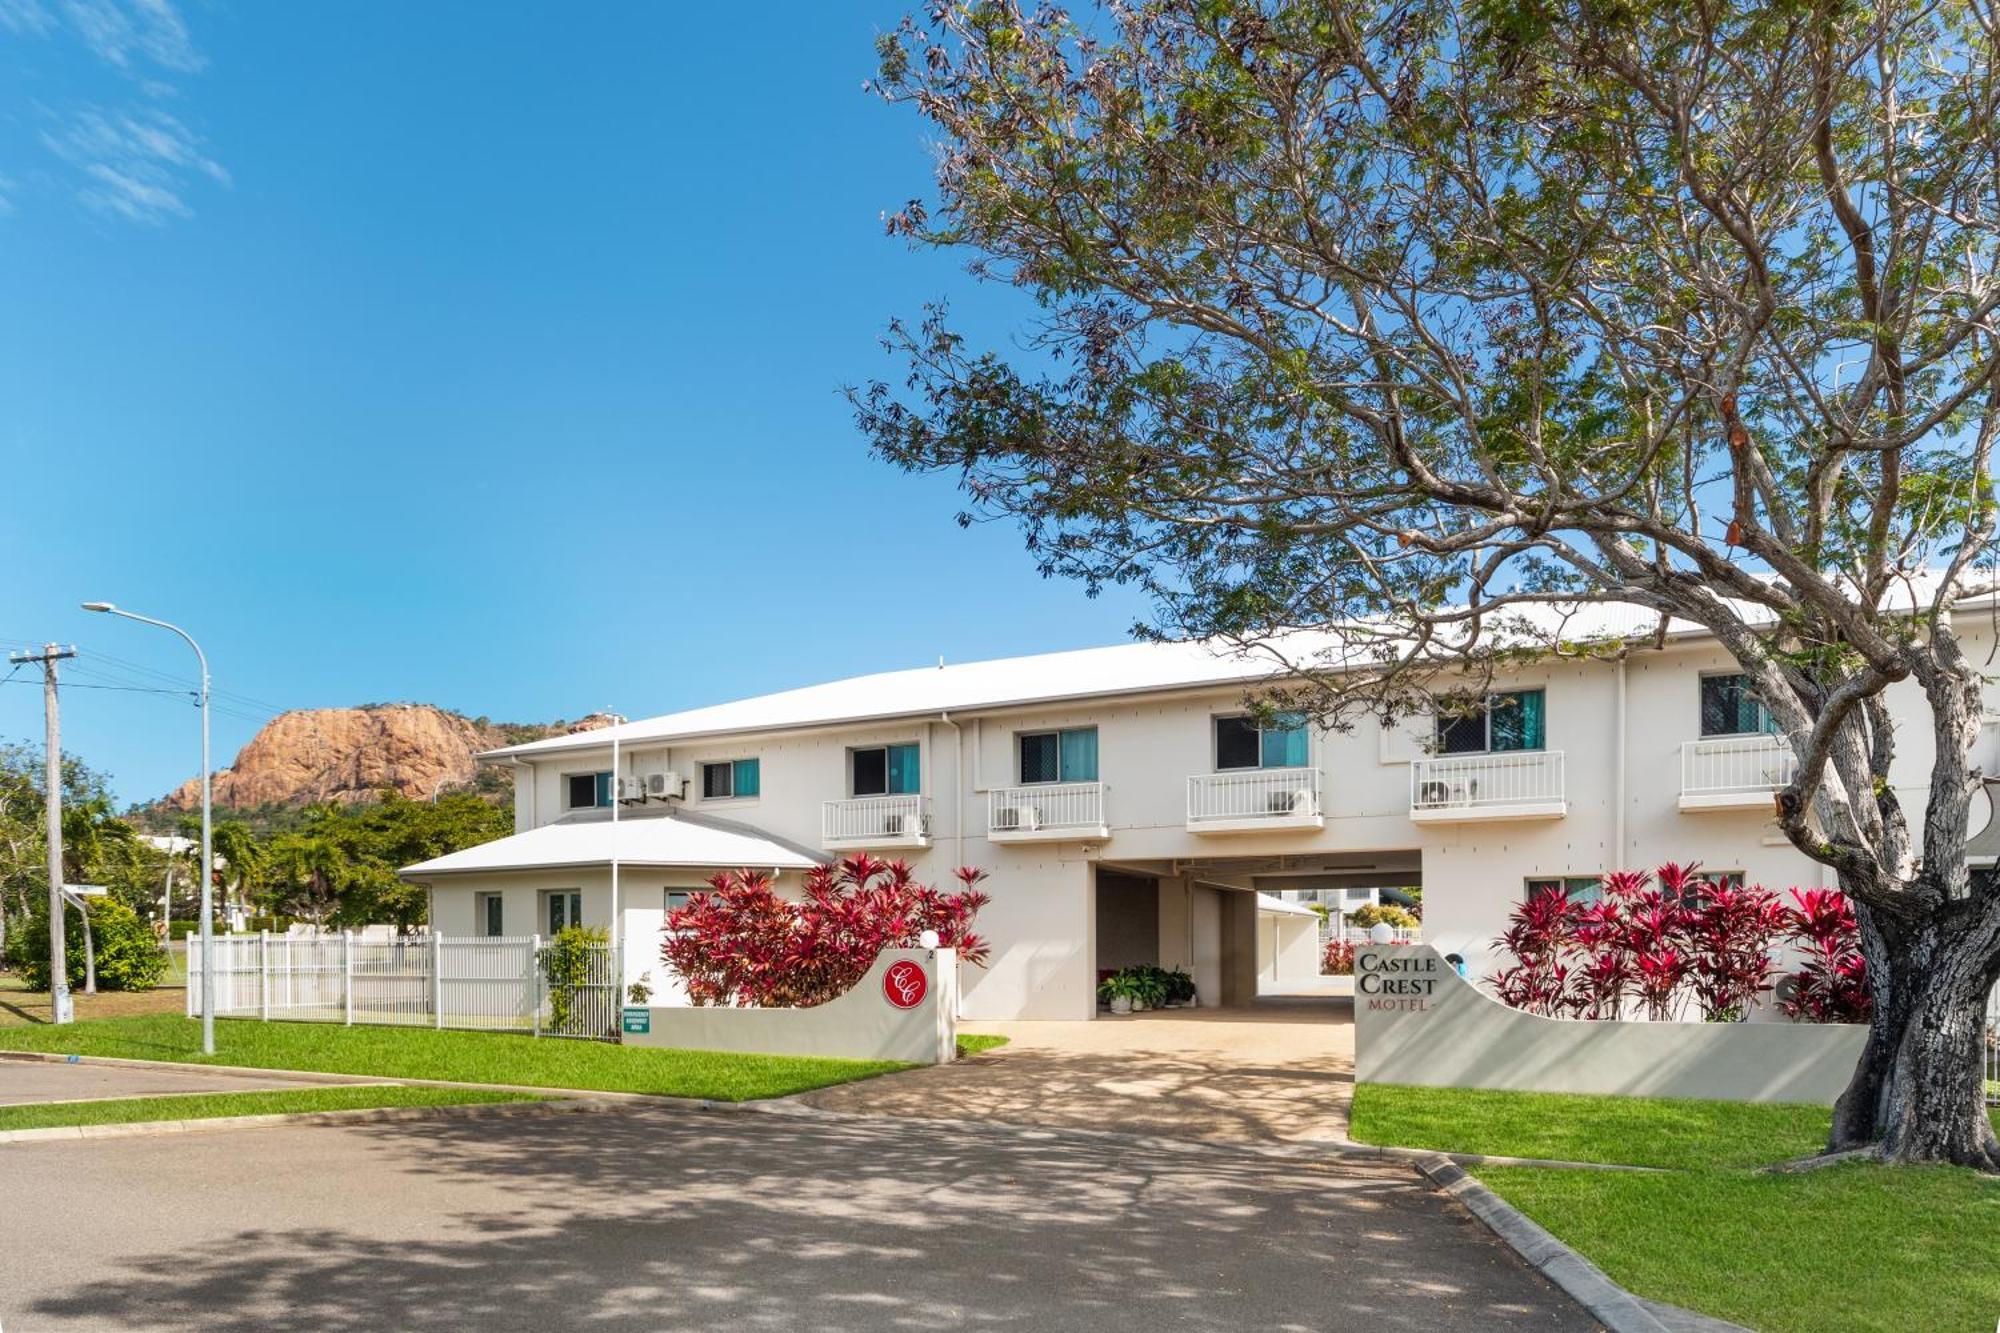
207	855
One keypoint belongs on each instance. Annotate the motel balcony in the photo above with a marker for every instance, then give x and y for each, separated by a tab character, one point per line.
1735	772
1254	800
872	822
1046	812
1473	788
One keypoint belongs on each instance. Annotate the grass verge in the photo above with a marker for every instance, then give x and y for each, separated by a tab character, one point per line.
1847	1247
972	1043
465	1057
208	1106
1633	1131
1859	1246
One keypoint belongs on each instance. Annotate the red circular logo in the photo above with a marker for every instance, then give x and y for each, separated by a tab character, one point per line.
905	984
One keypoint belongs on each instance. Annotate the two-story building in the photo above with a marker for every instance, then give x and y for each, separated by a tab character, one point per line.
1130	809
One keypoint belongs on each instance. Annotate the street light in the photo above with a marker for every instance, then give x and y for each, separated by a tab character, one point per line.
207	855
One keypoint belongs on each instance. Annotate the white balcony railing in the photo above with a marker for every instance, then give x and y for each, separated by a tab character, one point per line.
1263	798
1046	812
1516	784
1735	771
876	821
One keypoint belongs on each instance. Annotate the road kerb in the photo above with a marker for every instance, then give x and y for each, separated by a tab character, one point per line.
554	1105
1584	1282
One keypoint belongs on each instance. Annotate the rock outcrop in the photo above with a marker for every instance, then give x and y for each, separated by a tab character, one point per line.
349	755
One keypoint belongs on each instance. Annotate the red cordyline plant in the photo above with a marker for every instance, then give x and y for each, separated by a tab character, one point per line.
1658	948
1731	935
1687	939
1831	986
1338	960
739	943
1539	934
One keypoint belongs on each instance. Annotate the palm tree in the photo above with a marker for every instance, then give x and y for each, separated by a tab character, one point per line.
242	857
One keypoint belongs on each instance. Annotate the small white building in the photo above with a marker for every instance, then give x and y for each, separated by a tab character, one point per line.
1131	811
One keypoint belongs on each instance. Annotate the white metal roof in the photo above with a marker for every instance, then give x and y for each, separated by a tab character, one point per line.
661	840
1269	906
1087	673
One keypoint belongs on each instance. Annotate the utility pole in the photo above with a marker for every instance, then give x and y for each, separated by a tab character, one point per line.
59	1000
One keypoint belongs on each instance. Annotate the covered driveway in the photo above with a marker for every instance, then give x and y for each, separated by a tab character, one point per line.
1281	1069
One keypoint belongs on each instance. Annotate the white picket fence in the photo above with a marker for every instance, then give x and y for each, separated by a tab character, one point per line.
491	984
1993	1048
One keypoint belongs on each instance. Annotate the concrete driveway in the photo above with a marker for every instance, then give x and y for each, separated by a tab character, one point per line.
1279	1069
680	1219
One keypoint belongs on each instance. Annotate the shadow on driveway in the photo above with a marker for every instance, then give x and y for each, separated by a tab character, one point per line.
672	1219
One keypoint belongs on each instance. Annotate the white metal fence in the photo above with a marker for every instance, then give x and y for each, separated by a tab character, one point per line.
1046	807
886	820
1725	765
1472	781
494	984
1993	1048
1275	794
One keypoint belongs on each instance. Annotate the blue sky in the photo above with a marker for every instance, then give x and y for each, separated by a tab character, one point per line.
480	355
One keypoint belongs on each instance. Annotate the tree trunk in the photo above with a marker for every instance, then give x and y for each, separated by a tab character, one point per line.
1919	1089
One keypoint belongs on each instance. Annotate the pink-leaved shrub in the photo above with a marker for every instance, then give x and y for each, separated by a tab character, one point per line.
1676	940
739	943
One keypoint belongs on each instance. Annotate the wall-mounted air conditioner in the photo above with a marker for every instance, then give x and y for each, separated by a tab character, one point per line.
665	783
631	789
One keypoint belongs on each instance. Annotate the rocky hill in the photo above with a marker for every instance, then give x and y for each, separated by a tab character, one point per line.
350	755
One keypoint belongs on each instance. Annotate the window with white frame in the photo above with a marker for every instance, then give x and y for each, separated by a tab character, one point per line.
1580	889
1069	755
487	917
732	779
1242	742
587	791
561	908
1730	706
885	770
1503	721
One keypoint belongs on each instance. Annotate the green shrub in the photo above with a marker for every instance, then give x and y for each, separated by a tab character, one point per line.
566	963
128	956
1147	987
1387	914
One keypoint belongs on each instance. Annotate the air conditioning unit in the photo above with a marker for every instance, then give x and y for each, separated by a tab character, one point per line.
665	783
1020	819
1434	794
631	789
904	826
1298	802
1006	819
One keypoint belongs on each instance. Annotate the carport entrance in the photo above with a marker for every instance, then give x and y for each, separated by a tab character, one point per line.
1278	1069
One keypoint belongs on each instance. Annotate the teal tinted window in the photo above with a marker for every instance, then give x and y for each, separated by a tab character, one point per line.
1516	720
1284	742
747	775
905	772
1079	754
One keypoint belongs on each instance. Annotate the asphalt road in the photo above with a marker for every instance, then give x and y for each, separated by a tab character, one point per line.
682	1219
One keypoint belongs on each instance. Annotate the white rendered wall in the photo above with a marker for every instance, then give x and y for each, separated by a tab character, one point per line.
1042	917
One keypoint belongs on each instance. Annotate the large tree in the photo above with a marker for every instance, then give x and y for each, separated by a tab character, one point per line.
1443	319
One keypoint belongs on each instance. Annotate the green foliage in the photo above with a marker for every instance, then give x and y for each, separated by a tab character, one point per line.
129	956
566	967
1388	914
1147	987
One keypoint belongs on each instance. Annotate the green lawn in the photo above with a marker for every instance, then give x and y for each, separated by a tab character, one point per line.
467	1057
1848	1247
1635	1131
972	1043
207	1106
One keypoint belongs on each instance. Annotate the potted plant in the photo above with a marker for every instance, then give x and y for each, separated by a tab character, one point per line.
1117	991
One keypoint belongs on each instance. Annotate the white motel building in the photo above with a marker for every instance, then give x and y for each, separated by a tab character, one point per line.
1130	811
